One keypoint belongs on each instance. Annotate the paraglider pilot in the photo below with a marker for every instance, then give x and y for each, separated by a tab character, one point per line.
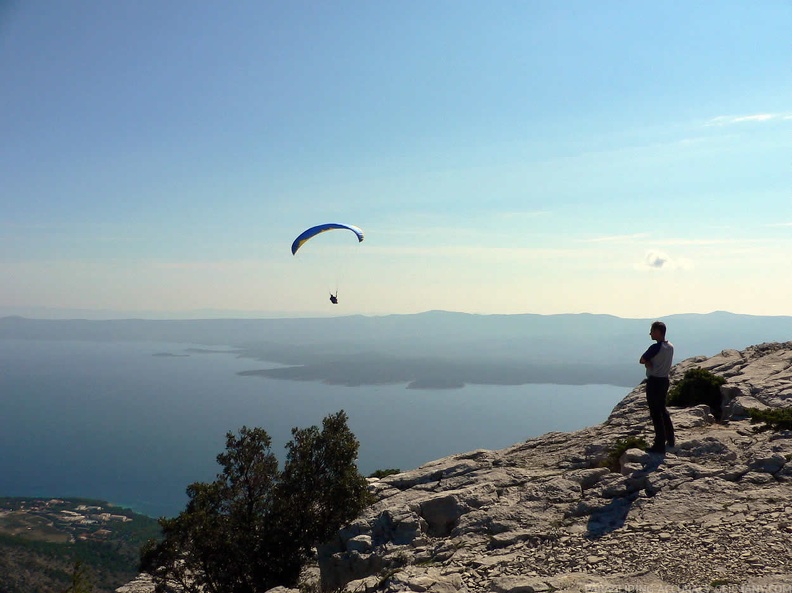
334	298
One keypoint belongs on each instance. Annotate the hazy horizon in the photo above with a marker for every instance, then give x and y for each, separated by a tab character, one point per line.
57	313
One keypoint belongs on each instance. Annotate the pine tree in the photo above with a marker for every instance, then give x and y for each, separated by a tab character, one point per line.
253	528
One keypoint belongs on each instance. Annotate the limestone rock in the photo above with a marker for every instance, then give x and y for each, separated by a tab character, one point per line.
142	584
713	510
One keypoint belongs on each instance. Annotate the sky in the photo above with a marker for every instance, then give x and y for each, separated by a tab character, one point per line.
157	159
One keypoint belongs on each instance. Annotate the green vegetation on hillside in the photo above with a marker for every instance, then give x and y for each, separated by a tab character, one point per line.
55	545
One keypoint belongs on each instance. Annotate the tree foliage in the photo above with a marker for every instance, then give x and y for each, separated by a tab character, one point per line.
80	579
698	386
254	526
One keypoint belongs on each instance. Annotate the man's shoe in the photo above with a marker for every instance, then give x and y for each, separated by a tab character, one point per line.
656	449
670	444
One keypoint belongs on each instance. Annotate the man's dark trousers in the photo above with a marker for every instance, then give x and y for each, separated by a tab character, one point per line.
656	392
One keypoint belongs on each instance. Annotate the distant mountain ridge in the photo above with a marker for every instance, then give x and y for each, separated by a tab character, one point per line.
435	349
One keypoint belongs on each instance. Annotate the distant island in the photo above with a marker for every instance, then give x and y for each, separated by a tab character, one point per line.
431	350
191	351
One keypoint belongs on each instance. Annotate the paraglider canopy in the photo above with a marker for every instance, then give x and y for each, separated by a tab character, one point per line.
315	230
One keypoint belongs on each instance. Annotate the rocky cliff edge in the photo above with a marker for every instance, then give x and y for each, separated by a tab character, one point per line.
713	514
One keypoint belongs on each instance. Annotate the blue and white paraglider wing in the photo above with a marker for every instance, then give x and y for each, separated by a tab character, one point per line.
321	228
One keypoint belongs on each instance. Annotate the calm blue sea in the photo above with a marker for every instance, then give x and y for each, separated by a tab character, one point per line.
123	423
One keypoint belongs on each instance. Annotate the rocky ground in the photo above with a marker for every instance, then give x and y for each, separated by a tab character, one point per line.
713	514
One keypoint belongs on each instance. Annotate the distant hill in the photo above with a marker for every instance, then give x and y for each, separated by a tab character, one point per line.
435	349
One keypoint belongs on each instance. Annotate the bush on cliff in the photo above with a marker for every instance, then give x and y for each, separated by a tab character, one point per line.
254	527
611	460
383	473
698	386
772	419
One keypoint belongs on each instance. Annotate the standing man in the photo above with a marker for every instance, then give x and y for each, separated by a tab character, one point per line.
657	360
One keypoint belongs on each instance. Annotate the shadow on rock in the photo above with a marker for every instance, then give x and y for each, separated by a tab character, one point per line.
653	463
610	517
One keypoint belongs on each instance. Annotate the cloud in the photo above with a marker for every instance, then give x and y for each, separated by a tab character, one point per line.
478	253
617	238
709	242
728	120
655	259
658	260
522	214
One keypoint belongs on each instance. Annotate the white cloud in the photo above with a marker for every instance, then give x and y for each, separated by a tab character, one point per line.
727	120
709	242
479	253
659	260
617	238
656	259
522	214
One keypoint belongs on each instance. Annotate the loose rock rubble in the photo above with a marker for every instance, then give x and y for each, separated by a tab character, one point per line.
713	514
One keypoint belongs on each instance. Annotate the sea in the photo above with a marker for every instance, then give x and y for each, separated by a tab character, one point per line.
134	423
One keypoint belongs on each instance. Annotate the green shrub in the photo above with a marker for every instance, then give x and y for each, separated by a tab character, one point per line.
381	473
611	461
698	386
774	419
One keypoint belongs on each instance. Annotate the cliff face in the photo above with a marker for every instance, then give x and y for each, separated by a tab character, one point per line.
715	511
542	515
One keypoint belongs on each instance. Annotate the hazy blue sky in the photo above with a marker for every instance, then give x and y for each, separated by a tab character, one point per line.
632	158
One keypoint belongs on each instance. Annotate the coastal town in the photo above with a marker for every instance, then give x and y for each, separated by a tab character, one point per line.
57	520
